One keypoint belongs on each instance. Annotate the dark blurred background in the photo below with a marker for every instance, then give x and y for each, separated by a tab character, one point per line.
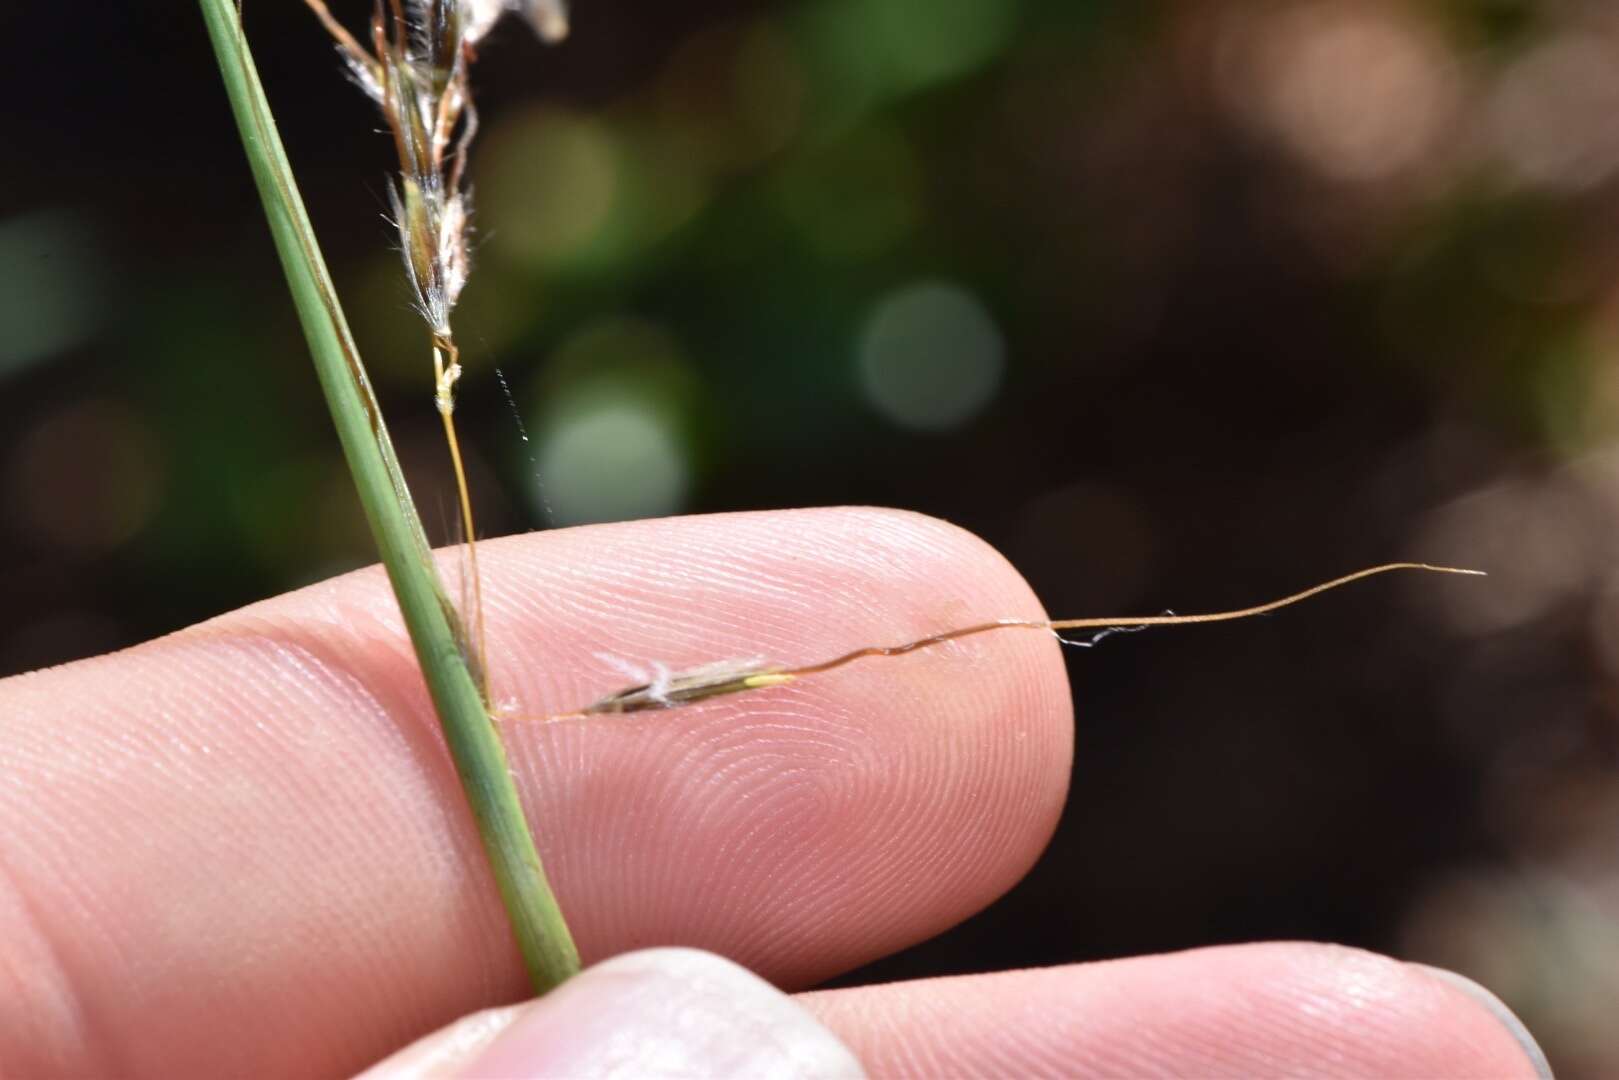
1179	304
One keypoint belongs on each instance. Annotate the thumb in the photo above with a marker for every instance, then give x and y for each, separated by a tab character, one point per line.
661	1012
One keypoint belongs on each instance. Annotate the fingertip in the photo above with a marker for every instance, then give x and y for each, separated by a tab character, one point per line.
658	1012
449	1050
1480	995
791	803
1284	1008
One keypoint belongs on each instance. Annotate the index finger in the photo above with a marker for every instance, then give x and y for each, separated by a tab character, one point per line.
242	847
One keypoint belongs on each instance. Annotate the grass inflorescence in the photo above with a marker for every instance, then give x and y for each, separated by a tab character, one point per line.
417	71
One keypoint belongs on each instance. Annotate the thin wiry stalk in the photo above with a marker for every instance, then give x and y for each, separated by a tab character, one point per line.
435	629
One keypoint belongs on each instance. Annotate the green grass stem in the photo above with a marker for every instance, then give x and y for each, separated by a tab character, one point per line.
436	631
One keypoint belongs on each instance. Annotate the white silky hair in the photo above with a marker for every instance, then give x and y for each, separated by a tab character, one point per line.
549	18
662	681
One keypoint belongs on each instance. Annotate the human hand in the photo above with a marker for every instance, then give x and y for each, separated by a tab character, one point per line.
241	849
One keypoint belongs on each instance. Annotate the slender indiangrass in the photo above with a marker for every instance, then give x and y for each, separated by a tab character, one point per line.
414	67
450	659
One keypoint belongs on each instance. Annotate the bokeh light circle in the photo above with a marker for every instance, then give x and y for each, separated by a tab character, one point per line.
931	357
612	463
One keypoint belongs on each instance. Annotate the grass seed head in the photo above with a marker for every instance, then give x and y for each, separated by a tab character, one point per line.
416	71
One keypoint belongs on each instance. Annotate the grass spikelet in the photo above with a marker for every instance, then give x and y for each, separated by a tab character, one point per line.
670	689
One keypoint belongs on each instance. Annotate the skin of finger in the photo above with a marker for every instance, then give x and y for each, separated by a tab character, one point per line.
243	848
658	1012
448	1050
1282	1009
